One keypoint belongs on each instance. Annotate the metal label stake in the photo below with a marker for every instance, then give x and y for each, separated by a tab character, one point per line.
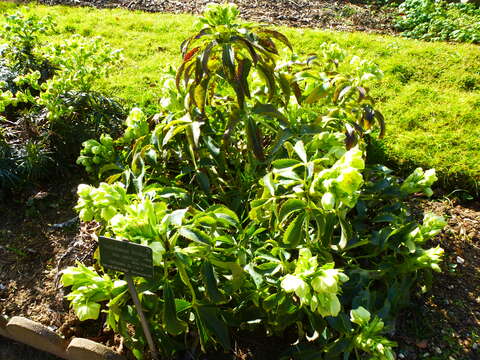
132	259
143	320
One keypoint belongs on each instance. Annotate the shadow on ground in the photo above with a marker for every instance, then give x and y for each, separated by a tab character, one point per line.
11	350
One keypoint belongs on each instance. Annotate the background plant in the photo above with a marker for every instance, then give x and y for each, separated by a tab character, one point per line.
440	20
47	98
254	196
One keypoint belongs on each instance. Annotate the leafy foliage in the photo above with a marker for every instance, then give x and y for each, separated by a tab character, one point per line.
46	97
440	20
251	189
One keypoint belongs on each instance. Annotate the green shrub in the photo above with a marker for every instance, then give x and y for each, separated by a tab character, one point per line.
251	189
46	97
439	20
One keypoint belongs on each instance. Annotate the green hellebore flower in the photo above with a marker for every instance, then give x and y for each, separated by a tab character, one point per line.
429	177
327	282
354	158
136	115
329	305
349	180
432	224
84	190
293	283
431	258
306	263
290	283
118	223
108	212
360	316
85	215
328	201
419	181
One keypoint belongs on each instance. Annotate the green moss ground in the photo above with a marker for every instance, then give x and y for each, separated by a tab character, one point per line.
430	95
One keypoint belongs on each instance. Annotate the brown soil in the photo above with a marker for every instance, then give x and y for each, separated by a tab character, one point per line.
444	323
325	14
34	247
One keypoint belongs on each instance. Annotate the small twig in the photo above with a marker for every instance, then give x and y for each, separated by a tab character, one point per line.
9	122
67	252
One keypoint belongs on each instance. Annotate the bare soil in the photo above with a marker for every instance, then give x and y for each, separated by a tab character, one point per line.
39	236
324	14
444	323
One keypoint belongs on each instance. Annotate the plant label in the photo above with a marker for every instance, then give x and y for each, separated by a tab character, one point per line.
130	258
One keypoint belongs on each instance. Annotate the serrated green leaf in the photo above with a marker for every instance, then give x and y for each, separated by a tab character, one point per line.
257	277
290	206
173	324
346	233
203	180
254	139
344	92
271	111
210	318
285	86
200	94
247	45
300	151
381	123
316	94
268	182
226	214
196	235
181	305
243	76
211	287
228	59
206	56
267	73
293	234
278	36
285	163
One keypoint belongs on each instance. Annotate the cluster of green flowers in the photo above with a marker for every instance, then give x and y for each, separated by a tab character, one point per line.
137	125
432	225
89	289
135	218
341	183
172	99
317	287
96	154
430	258
328	146
26	83
103	202
143	222
368	338
419	181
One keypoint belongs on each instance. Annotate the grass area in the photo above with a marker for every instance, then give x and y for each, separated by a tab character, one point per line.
430	95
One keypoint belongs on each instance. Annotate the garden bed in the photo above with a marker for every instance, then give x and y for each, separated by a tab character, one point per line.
41	235
443	322
322	14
